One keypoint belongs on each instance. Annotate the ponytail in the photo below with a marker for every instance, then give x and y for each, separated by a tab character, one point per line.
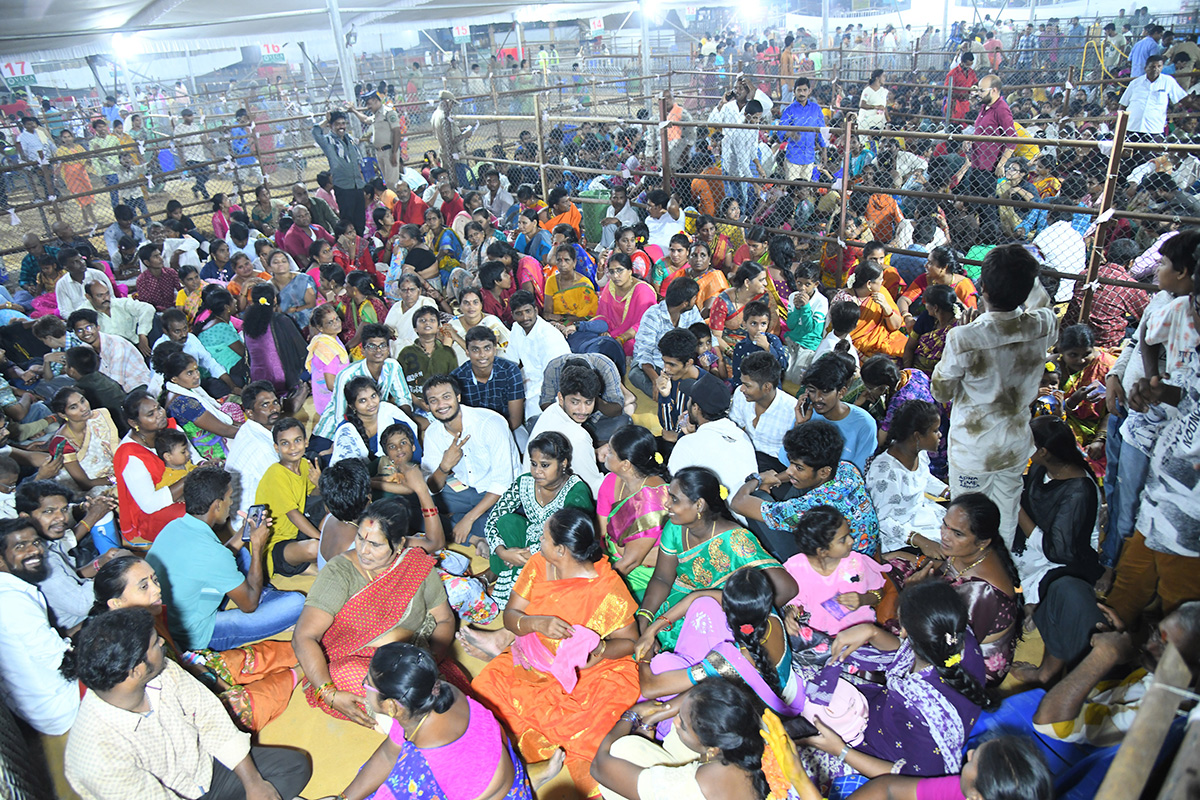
747	600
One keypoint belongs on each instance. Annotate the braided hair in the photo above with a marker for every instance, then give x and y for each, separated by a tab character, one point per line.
782	251
984	518
353	388
728	716
935	618
747	600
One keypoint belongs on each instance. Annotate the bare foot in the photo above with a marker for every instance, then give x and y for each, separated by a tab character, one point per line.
484	645
554	765
1024	672
481	549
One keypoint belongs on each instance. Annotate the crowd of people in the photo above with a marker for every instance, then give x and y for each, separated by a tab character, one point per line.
432	410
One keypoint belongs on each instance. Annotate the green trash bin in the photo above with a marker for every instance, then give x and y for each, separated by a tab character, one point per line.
593	213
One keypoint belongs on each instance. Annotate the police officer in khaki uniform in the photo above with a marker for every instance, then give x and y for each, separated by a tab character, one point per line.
383	125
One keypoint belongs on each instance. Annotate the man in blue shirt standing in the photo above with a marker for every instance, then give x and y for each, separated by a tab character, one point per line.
1148	46
239	145
802	146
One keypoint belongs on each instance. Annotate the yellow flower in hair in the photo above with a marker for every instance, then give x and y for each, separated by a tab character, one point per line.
1051	366
724	492
262	301
658	459
954	659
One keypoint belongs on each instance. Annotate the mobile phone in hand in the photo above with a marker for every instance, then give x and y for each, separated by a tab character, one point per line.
254	518
58	449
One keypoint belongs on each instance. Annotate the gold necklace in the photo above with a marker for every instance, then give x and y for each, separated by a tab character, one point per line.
413	735
973	564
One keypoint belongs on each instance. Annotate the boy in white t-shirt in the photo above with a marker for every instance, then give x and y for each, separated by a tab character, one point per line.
843	316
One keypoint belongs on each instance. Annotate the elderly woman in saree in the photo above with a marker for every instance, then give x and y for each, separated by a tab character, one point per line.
297	291
382	591
918	721
570	296
880	327
89	441
514	525
433	731
632	505
568	674
733	632
274	345
701	546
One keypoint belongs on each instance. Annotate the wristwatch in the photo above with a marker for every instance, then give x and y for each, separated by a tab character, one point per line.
757	478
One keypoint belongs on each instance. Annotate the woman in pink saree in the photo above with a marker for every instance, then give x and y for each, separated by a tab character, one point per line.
632	505
624	300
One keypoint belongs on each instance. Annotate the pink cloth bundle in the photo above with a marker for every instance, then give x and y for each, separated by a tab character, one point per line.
573	653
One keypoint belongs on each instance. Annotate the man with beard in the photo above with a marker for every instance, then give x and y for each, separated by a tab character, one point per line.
471	455
30	649
148	729
68	584
252	450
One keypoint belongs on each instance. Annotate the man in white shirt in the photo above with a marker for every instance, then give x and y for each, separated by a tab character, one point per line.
241	239
176	329
195	148
578	389
712	439
762	409
252	451
619	214
1063	250
1148	96
676	310
123	316
470	455
737	148
496	199
30	649
990	370
533	345
69	291
664	218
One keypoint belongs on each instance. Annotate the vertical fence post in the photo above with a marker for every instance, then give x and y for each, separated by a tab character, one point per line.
664	141
848	131
541	150
1106	202
144	186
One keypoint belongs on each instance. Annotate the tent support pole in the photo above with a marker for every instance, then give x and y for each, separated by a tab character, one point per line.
339	41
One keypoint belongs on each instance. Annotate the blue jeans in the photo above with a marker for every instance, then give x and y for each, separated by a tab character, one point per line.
1123	482
38	410
111	180
277	611
458	504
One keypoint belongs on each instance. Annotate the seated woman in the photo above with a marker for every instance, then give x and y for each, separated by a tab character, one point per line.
718	243
88	439
883	381
1086	367
927	341
377	593
632	505
255	682
584	263
400	317
532	240
570	296
701	546
568	675
880	323
676	259
297	291
207	424
265	212
366	416
470	314
275	347
732	632
327	356
364	306
435	729
515	523
839	587
345	488
143	509
719	753
624	301
1057	538
918	721
900	483
711	280
527	271
941	269
284	489
222	207
376	365
215	330
190	296
444	243
627	242
727	318
245	278
979	567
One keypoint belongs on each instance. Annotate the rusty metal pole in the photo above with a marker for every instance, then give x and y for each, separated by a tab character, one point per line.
664	142
1106	202
848	125
541	134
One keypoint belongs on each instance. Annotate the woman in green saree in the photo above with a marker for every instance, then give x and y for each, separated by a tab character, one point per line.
701	546
514	525
632	505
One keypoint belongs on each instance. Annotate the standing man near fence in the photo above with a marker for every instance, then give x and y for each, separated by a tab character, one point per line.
1147	99
344	159
193	146
988	158
1146	47
740	145
804	148
239	145
961	80
386	135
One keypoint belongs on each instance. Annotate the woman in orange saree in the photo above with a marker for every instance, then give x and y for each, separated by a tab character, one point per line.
569	674
381	591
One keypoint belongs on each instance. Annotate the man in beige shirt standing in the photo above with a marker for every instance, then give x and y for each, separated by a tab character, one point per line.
386	135
148	729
